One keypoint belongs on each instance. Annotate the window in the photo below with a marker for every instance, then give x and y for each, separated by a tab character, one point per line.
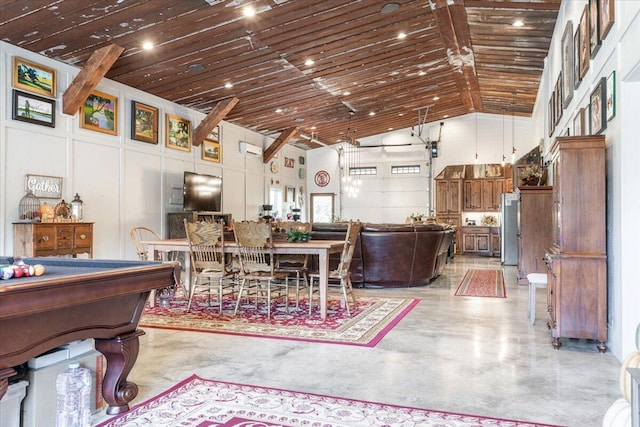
405	170
371	170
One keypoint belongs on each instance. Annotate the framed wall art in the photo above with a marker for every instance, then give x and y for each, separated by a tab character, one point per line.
598	119
576	59
594	28
607	16
611	96
178	133
144	122
100	113
44	187
34	109
558	100
584	42
550	115
567	64
578	122
34	78
211	148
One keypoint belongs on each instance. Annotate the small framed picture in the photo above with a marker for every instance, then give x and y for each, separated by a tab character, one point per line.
211	151
584	42
578	122
34	78
607	16
598	119
567	65
594	28
178	133
611	96
551	113
576	59
144	122
100	113
558	100
33	109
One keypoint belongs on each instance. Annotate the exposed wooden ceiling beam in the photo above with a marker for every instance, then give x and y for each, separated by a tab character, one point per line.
214	117
87	79
451	18
279	143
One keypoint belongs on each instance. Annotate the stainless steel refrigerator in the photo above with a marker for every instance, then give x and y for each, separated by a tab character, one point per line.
509	228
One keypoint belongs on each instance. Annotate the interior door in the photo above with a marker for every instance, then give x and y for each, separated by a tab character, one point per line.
322	207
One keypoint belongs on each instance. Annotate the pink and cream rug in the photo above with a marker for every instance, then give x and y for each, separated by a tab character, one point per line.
482	283
370	322
197	402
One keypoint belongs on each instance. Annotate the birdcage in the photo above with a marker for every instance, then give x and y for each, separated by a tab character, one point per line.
29	207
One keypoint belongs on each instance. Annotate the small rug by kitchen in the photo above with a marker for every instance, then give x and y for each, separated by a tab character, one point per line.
197	402
482	283
372	319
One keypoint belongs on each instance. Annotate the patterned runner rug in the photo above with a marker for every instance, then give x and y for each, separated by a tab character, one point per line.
370	322
482	283
197	402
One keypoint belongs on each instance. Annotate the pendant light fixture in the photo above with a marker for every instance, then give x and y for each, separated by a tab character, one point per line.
350	160
513	128
503	157
476	159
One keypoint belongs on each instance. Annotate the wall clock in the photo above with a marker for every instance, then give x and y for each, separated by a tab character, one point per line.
275	167
322	178
301	173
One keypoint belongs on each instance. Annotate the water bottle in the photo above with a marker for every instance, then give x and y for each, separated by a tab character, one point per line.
73	387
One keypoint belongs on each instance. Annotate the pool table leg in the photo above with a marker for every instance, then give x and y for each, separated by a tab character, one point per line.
121	353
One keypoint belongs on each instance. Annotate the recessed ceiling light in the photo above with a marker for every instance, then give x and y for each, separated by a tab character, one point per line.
389	128
372	113
228	85
401	35
346	93
421	73
435	98
309	62
195	67
313	128
298	119
401	114
147	45
279	110
518	23
390	7
445	116
248	11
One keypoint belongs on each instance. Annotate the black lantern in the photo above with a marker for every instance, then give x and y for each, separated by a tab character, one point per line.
76	208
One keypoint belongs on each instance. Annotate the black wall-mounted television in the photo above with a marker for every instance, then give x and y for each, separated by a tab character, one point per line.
202	192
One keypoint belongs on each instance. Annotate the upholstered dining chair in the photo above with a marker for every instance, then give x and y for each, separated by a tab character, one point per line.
340	278
258	275
209	268
294	264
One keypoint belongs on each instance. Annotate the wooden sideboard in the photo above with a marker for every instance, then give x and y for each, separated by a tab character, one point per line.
577	261
34	239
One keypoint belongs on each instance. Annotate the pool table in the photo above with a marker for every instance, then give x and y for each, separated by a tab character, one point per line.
77	299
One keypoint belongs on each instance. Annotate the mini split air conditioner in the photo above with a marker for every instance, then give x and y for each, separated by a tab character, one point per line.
247	148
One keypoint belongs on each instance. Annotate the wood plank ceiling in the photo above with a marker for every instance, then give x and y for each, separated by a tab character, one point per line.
364	79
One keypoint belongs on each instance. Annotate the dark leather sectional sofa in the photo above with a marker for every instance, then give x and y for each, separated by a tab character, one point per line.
393	255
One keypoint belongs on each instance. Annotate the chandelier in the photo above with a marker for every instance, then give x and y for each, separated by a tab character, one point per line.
351	181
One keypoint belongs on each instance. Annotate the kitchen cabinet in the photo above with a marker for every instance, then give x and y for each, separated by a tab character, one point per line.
577	259
483	195
456	221
535	229
476	240
448	196
496	242
37	239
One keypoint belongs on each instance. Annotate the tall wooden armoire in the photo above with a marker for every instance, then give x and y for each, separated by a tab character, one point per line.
577	261
535	229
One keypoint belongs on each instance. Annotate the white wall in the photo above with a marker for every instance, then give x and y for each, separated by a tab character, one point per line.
122	182
392	198
619	52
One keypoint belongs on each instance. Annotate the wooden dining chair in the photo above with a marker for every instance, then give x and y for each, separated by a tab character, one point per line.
340	278
258	276
140	234
294	264
209	269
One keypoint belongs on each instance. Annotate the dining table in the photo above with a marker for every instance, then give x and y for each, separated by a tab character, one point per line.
320	248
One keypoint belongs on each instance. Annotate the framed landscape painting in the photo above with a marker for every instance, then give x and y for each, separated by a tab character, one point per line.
178	133
598	119
211	149
144	122
100	113
33	109
34	78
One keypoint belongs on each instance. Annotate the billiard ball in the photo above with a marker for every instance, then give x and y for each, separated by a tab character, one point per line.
38	270
27	270
6	272
17	271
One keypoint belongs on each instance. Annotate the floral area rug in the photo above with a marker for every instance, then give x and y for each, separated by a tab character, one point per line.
482	283
372	319
197	402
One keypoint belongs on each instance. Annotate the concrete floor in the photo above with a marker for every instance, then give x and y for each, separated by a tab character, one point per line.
460	354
